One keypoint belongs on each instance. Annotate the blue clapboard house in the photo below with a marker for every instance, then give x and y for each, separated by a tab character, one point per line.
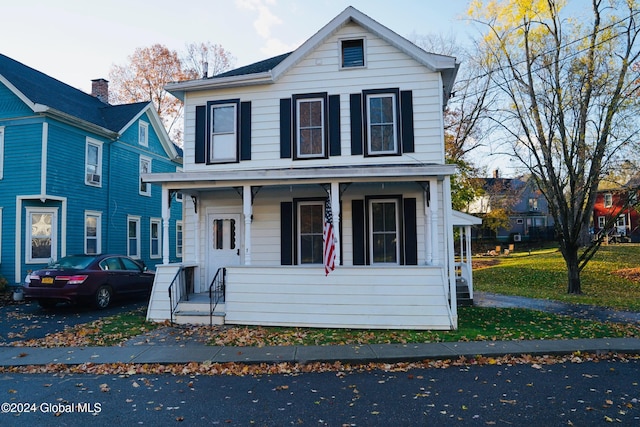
70	174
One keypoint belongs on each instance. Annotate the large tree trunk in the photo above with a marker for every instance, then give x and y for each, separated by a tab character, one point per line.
573	272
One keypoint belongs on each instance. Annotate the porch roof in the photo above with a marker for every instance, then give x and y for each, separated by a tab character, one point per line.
301	175
463	219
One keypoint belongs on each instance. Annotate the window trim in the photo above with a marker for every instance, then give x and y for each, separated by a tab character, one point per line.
96	179
298	227
394	94
143	140
98	237
136	220
398	220
158	223
211	105
341	43
179	238
147	186
297	99
28	236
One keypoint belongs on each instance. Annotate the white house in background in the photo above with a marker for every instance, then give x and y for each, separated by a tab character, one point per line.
355	113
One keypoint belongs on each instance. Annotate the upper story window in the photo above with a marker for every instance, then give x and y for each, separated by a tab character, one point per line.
533	204
352	53
608	200
223	131
310	125
145	167
382	123
143	133
93	163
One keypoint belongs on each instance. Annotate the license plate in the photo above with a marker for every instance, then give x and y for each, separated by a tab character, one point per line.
47	280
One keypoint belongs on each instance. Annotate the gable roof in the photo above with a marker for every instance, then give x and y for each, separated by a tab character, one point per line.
46	95
270	70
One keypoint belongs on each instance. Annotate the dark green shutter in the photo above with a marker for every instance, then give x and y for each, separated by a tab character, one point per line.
286	233
359	232
406	117
201	131
355	108
334	125
285	128
410	232
245	130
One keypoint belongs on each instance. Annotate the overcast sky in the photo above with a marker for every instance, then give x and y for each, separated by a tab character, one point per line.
76	41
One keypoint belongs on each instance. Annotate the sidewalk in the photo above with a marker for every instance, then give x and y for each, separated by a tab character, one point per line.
165	351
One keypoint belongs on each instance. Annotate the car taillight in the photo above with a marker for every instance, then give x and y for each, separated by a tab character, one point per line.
34	277
73	280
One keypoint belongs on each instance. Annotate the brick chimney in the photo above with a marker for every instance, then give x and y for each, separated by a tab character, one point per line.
100	89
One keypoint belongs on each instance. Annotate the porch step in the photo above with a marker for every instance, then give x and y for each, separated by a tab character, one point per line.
196	312
463	297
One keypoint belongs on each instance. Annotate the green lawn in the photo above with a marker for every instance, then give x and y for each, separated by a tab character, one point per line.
544	275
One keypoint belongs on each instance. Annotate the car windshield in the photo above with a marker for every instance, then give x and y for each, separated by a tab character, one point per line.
75	262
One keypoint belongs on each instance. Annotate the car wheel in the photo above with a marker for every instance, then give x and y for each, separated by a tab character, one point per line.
47	303
103	297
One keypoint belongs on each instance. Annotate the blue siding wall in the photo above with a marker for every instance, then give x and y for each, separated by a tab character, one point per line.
11	105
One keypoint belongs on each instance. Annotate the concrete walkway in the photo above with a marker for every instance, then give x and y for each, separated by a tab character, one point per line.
167	351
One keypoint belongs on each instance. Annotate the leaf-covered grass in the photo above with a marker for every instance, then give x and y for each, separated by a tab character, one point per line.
544	275
475	324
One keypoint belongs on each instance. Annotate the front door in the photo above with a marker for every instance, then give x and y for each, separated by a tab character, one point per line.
223	243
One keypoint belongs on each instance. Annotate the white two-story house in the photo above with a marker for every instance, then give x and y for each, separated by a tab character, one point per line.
355	116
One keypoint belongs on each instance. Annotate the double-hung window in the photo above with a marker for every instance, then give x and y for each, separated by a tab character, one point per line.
93	163
92	232
133	236
310	227
223	131
382	123
384	223
310	129
154	238
608	200
145	167
179	239
143	133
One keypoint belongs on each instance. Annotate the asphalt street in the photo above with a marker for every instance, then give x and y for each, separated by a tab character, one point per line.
580	394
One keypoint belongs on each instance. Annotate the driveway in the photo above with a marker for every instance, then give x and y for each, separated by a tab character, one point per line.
27	320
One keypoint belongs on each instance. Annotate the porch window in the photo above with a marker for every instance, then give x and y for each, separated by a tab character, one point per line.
310	225
133	236
154	238
381	123
42	233
92	233
310	133
621	222
384	231
223	131
179	239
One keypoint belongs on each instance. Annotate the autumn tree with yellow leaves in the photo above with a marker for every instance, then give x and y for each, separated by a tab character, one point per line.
567	80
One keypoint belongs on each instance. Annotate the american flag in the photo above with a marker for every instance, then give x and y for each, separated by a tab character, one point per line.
329	248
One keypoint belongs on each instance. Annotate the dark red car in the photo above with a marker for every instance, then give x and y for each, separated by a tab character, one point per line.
89	278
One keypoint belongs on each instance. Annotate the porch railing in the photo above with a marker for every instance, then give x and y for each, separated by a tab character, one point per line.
216	291
175	293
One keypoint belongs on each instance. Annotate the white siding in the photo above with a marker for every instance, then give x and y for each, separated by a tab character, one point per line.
319	72
350	297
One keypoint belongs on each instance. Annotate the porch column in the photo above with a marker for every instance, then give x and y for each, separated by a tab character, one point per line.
433	209
449	248
166	218
428	244
335	210
467	230
247	210
196	228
